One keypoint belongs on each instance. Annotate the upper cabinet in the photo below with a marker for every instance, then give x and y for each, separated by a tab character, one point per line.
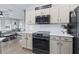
64	13
42	12
37	12
30	17
27	17
59	14
54	18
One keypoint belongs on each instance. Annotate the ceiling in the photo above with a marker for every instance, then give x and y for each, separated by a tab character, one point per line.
11	7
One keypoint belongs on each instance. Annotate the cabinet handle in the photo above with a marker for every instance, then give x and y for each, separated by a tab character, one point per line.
66	39
61	44
57	43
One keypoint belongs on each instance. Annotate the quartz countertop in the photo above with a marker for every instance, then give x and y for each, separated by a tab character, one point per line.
61	34
55	33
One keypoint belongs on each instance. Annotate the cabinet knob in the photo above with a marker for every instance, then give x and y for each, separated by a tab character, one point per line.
61	44
57	43
66	39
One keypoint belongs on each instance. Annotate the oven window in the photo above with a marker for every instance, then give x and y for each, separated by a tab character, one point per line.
41	44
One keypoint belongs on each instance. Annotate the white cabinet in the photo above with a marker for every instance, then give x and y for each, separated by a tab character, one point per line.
27	17
37	12
26	41
42	12
30	17
60	45
23	40
54	17
66	45
45	11
29	41
59	14
54	47
64	13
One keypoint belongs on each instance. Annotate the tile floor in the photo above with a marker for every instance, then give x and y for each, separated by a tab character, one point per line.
14	47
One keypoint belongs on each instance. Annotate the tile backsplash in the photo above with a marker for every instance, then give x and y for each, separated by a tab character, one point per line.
46	27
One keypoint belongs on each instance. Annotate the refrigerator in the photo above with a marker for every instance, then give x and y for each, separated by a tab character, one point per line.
73	28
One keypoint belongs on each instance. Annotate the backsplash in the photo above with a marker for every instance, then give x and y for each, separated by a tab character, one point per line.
46	27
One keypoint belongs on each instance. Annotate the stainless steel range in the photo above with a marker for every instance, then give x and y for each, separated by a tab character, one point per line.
41	42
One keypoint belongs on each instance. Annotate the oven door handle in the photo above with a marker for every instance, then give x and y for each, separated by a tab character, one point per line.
41	38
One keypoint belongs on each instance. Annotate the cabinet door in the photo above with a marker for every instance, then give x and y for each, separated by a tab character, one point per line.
32	17
29	41
64	14
54	47
28	17
37	12
54	15
66	47
23	40
45	11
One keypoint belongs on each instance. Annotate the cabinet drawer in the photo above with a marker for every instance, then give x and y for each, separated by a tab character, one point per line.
66	39
54	37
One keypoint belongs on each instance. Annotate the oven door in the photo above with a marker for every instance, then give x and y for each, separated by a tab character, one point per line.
41	43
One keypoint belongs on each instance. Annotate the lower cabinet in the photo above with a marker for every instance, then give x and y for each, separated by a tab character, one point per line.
23	40
54	47
61	46
26	41
29	41
58	44
66	47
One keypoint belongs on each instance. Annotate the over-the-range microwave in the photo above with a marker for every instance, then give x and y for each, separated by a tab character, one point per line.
44	19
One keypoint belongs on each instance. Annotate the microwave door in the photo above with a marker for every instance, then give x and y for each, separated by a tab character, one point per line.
46	19
37	19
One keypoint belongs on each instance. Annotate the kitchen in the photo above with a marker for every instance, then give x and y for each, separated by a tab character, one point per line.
38	29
